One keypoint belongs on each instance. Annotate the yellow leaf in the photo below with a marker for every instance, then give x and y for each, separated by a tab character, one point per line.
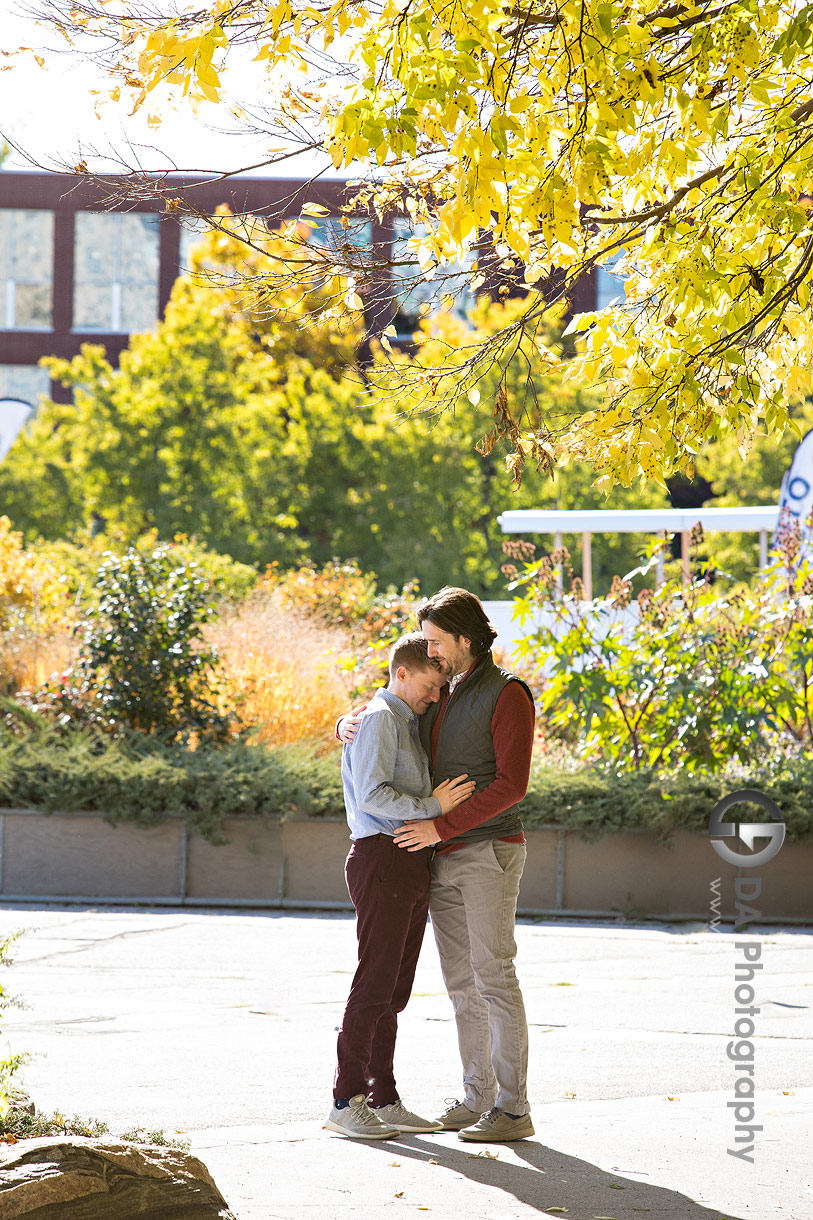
473	396
314	209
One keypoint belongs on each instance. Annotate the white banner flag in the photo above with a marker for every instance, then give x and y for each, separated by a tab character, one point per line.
796	492
13	415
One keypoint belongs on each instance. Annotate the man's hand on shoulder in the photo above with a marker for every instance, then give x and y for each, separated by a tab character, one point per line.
347	727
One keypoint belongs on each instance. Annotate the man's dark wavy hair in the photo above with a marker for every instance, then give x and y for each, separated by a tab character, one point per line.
459	612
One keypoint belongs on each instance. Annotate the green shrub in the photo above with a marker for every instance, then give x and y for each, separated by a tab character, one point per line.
596	801
706	675
9	1065
78	561
143	662
143	780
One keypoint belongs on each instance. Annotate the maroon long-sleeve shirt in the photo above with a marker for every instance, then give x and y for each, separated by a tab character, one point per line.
512	730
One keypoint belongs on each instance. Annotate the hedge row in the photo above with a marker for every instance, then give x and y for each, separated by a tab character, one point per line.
597	802
145	782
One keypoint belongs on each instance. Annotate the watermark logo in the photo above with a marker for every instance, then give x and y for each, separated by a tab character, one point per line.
746	832
741	1049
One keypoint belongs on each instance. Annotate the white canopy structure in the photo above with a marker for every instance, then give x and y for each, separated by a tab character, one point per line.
639	520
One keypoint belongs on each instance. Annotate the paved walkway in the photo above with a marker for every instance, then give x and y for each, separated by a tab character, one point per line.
221	1026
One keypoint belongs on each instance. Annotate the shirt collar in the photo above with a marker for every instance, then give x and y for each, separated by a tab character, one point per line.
458	678
397	704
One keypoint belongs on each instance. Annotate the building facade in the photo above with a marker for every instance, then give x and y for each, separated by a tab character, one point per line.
78	266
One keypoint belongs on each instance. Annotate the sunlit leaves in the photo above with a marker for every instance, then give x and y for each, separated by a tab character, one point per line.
682	134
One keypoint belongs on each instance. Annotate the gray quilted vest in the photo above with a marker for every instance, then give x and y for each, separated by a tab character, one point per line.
465	743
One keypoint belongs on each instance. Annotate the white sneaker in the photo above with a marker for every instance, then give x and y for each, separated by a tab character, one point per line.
358	1122
398	1116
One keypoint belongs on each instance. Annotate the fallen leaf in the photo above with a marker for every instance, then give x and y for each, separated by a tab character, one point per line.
570	1094
673	1099
788	1093
555	1209
399	1194
432	1162
614	1187
395	1164
492	1156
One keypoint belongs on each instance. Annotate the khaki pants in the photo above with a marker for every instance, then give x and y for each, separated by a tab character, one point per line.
472	905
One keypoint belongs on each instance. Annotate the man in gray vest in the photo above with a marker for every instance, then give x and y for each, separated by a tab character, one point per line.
484	726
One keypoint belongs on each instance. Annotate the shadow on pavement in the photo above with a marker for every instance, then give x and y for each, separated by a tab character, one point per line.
554	1181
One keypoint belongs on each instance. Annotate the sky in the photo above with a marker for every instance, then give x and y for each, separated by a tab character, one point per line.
50	114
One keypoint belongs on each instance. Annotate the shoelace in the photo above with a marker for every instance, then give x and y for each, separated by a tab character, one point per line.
363	1114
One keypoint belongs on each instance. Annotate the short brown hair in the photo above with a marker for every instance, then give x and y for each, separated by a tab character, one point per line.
459	612
411	652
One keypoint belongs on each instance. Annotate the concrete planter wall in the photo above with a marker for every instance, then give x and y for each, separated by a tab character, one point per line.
78	857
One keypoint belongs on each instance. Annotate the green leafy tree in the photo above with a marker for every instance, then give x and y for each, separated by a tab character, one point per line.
222	425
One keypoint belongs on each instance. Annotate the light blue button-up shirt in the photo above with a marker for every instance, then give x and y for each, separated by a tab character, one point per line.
385	771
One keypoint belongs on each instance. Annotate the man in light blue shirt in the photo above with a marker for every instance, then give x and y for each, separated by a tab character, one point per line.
385	773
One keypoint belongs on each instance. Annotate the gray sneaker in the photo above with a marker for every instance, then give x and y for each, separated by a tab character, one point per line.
457	1116
497	1127
358	1122
397	1115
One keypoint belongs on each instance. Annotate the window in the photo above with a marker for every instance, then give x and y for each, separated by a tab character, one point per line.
328	231
115	285
23	381
416	297
610	289
26	267
193	230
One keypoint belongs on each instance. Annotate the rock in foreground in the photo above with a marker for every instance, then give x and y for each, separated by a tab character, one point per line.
87	1179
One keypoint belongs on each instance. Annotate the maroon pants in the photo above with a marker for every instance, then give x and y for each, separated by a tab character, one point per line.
389	887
